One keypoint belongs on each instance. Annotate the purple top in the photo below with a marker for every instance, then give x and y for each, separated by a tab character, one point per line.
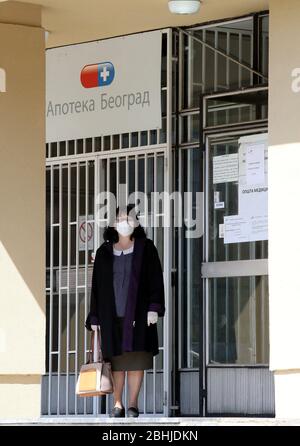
121	275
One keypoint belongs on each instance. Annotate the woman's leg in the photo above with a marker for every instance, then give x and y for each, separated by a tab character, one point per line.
135	379
119	380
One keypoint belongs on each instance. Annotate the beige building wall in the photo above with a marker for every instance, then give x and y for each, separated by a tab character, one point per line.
284	210
22	222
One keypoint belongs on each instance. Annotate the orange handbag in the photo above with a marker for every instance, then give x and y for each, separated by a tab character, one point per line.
95	377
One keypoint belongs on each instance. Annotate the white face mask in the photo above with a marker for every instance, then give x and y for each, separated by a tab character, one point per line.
124	228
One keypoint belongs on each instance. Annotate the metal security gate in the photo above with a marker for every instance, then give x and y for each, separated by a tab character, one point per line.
76	172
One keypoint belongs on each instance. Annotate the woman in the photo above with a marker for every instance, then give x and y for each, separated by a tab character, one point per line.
127	297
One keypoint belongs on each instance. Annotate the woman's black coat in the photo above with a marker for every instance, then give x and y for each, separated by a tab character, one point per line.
146	293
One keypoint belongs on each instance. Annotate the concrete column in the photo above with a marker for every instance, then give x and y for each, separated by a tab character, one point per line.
22	208
284	209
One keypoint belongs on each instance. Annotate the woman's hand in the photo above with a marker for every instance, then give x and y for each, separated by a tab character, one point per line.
94	327
152	317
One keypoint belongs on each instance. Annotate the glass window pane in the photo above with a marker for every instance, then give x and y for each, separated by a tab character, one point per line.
205	70
238	320
264	44
190	128
191	286
237	108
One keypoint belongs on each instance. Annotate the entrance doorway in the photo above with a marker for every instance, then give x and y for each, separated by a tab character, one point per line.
235	374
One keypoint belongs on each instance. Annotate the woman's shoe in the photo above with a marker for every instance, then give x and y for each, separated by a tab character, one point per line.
117	412
132	412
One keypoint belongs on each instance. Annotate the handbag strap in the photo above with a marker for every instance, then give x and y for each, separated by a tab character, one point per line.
100	359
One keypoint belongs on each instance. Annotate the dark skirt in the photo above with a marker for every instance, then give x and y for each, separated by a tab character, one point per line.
130	360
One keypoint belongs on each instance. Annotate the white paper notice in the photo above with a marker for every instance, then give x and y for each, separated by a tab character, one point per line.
219	205
239	229
216	196
253	179
251	223
255	164
236	229
225	168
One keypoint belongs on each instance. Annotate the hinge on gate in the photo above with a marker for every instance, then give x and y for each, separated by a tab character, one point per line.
203	393
166	162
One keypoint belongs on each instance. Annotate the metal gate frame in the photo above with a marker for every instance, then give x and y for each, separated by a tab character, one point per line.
257	372
48	390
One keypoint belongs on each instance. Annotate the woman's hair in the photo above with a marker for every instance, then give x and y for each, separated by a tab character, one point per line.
111	234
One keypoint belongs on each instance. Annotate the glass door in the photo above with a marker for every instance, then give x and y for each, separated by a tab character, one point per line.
235	275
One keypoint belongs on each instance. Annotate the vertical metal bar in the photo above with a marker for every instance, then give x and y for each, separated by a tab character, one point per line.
76	283
118	178
213	151
109	204
108	184
251	53
155	241
180	68
59	288
206	291
215	326
136	165
240	71
97	190
180	265
227	60
203	61
167	323
87	222
68	286
146	226
239	306
262	297
240	59
188	269
51	292
216	61
126	178
238	324
253	318
190	70
146	209
85	271
155	201
125	391
227	309
96	203
209	283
